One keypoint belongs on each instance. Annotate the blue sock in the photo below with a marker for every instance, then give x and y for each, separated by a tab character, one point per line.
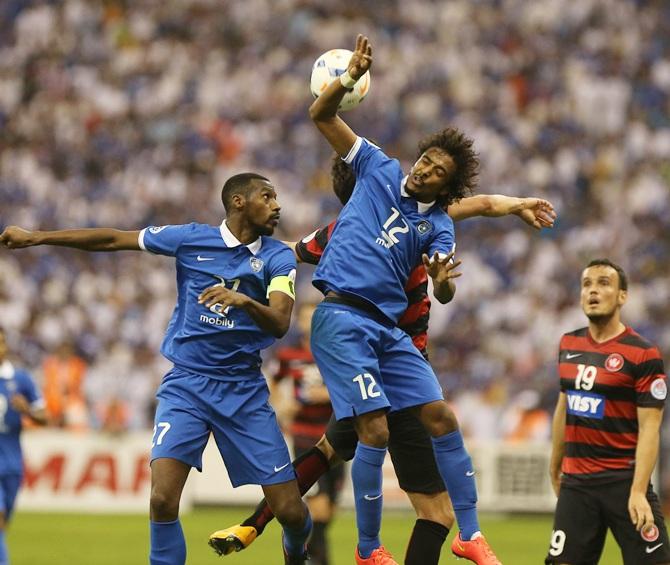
366	476
295	539
458	475
4	556
168	546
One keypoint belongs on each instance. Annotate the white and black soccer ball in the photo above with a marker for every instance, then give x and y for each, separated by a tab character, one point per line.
328	67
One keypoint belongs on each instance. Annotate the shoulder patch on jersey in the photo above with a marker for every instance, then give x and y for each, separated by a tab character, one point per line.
614	363
659	389
157	229
424	227
256	264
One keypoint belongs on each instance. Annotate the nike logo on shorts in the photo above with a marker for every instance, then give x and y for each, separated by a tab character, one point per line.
469	473
368	497
572	355
199	258
277	469
652	549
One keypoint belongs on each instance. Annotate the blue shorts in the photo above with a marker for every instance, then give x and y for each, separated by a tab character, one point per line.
9	488
239	415
368	364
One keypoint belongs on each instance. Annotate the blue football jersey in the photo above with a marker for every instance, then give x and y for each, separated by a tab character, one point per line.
215	342
381	234
14	381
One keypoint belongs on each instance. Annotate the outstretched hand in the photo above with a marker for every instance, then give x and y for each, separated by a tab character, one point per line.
15	237
441	270
537	212
361	60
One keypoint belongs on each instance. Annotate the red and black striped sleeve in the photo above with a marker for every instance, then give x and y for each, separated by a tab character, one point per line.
311	247
650	381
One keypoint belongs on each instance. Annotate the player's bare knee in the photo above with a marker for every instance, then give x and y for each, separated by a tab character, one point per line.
164	505
438	418
291	513
372	429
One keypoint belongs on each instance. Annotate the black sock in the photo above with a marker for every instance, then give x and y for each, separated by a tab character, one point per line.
317	547
308	467
426	543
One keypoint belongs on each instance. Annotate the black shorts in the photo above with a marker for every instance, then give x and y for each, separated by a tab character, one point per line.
330	483
409	446
583	515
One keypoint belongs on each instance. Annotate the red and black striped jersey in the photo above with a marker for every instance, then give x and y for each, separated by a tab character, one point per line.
604	383
312	418
415	319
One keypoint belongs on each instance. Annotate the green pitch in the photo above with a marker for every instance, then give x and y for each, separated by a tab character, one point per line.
76	539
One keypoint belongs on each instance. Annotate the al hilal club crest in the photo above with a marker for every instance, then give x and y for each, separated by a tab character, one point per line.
424	227
256	264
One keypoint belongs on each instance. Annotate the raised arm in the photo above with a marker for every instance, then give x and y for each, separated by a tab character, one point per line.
93	239
536	212
323	110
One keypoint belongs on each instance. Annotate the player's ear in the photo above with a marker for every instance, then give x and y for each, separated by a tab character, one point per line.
238	201
623	296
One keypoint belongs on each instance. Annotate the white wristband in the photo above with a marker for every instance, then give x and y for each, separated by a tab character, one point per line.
347	81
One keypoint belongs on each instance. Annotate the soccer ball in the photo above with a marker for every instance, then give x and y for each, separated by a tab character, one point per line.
328	67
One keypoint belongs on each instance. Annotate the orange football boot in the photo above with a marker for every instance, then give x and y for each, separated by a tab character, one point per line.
476	550
379	556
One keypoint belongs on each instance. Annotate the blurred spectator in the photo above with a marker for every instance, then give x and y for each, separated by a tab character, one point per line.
135	112
525	419
64	374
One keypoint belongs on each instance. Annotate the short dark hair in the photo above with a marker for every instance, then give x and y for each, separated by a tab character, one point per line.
343	178
460	148
238	184
623	279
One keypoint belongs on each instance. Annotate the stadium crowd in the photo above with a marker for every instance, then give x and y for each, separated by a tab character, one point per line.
134	113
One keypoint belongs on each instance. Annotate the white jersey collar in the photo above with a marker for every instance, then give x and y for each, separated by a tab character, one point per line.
6	370
422	207
231	241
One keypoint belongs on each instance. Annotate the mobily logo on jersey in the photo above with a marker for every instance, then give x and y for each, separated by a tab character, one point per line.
586	404
388	237
218	321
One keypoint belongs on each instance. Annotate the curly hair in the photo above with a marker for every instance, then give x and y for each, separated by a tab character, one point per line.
463	179
344	179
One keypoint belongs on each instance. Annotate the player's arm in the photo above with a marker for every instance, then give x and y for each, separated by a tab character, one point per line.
536	212
646	453
93	239
323	110
291	245
37	414
442	270
273	318
557	442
